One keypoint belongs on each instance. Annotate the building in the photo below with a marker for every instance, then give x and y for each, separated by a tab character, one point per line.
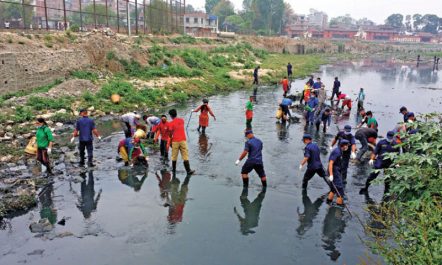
317	19
200	24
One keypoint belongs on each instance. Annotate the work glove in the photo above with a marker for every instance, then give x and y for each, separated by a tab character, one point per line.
146	158
353	155
99	138
49	151
300	167
330	178
72	140
371	162
331	148
192	110
237	162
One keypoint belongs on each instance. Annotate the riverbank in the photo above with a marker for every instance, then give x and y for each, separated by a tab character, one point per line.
149	78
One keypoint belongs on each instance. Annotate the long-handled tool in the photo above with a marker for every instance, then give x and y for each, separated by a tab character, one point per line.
345	205
188	122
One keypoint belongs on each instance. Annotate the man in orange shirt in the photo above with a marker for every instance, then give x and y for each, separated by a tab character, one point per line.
162	130
285	86
179	143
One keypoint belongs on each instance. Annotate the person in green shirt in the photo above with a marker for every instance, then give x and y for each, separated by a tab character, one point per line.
44	141
371	122
249	113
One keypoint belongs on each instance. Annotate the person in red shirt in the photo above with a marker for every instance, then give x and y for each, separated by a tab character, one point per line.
346	102
204	116
179	143
162	130
285	86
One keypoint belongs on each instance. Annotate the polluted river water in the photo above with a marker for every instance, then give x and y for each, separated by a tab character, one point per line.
121	216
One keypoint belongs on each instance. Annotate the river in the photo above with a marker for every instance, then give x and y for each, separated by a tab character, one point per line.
118	216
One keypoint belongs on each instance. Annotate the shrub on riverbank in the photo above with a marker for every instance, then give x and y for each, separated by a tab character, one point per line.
410	225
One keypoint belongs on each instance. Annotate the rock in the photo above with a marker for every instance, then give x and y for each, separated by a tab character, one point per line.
9	127
9	122
27	135
36	252
77	179
42	226
64	149
9	134
91	108
76	113
59	124
6	158
50	123
47	115
17	168
5	139
61	111
64	234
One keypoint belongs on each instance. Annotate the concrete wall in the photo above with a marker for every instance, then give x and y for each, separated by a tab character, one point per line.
27	70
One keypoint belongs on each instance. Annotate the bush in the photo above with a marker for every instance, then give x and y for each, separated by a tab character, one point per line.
23	114
119	87
185	39
41	103
110	55
80	74
179	97
411	225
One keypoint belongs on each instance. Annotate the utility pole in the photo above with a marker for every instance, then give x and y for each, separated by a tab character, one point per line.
128	17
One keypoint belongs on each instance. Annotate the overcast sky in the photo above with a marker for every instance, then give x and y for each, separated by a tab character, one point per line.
376	10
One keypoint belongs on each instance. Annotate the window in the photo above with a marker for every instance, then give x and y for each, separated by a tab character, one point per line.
187	20
195	20
202	20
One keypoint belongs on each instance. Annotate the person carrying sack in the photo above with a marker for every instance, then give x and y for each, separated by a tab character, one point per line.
45	141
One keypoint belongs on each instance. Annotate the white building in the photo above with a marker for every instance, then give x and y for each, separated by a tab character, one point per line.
200	24
317	19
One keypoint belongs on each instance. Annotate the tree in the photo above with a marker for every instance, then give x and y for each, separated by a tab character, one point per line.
344	21
223	9
210	5
408	23
417	22
100	15
431	23
289	15
236	22
190	9
13	11
365	22
395	21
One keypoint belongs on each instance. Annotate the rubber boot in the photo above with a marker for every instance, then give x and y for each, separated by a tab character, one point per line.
199	128
174	167
90	162
204	130
187	167
264	183
331	196
245	182
340	201
49	170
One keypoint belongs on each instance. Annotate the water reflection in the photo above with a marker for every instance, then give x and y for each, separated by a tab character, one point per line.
88	202
177	202
334	227
251	211
282	130
311	210
164	185
133	178
47	209
204	146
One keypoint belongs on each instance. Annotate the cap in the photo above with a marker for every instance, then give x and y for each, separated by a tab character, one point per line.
402	109
247	132
390	134
347	128
306	136
205	100
82	110
344	142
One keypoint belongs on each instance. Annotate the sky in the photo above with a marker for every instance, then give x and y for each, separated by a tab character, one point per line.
375	10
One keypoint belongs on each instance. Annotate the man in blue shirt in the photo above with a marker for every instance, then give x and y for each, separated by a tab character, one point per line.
324	117
335	172
384	146
85	129
253	148
285	105
317	84
361	98
403	110
336	86
349	152
313	160
311	108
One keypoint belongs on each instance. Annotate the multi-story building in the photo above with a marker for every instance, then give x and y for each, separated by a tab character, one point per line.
317	19
200	24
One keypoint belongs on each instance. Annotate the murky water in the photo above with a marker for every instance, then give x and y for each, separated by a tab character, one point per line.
119	216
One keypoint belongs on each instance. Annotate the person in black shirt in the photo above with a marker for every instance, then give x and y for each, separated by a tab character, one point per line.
255	75
336	86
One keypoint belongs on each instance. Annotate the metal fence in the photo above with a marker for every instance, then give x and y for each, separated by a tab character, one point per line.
122	16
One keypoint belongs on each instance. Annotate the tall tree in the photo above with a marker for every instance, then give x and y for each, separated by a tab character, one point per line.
13	10
223	9
210	4
190	9
395	21
417	22
408	26
431	23
344	21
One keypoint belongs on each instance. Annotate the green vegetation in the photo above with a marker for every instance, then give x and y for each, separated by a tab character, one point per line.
80	74
22	93
410	225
